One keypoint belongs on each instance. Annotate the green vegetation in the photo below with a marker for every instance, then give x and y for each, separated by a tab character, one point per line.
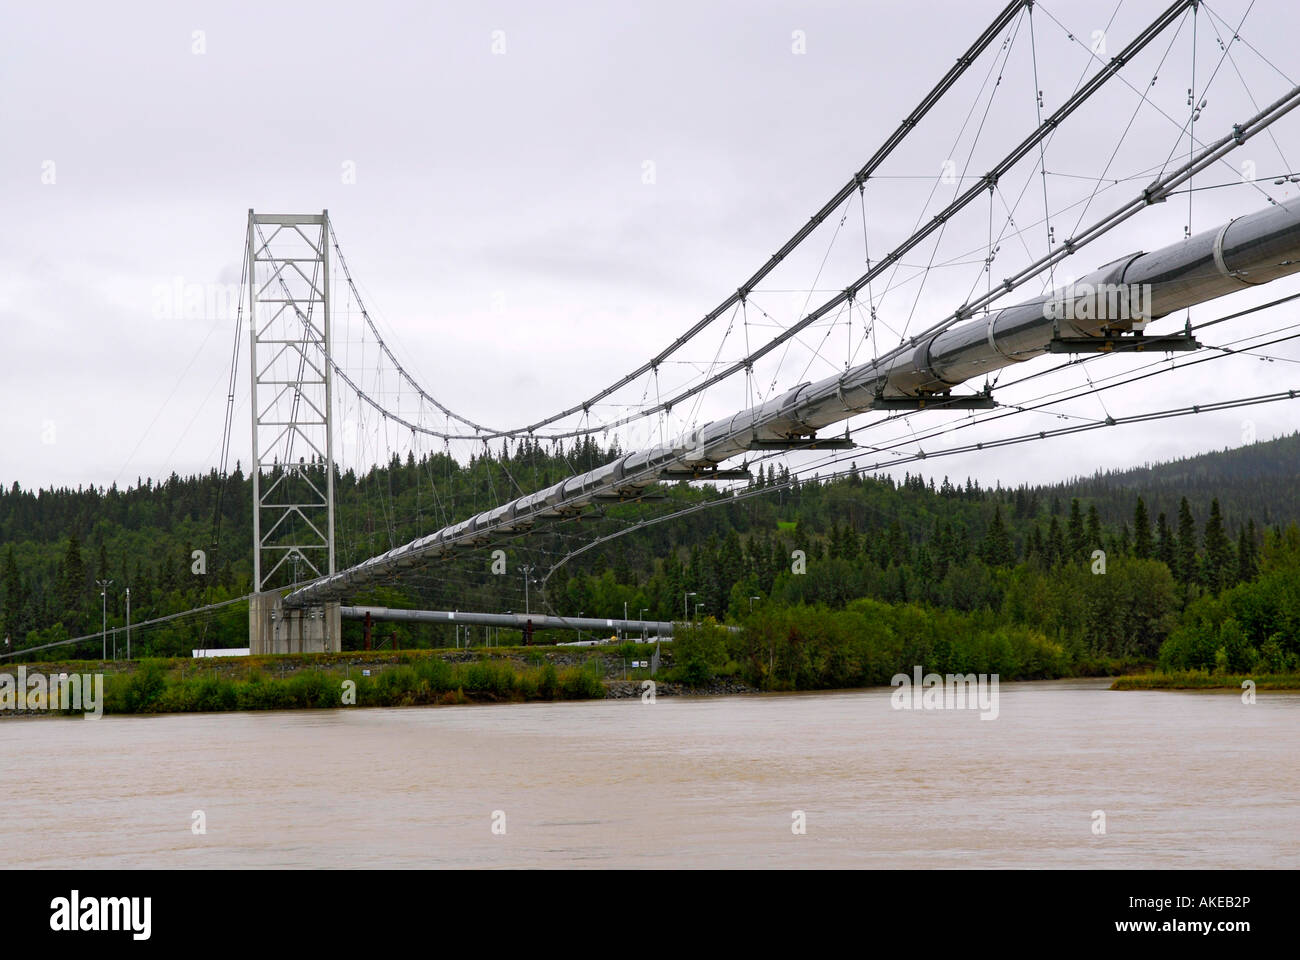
1191	566
1249	627
1203	680
865	644
156	687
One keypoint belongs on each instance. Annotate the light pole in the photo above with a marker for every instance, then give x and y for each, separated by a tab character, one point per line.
686	610
103	626
128	623
580	613
527	569
642	614
751	603
698	604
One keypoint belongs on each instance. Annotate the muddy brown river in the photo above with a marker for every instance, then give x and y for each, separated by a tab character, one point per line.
1182	780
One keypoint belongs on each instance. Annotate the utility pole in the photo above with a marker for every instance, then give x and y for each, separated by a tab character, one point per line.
103	626
128	623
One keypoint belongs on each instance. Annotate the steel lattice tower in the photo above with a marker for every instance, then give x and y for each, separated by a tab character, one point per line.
291	379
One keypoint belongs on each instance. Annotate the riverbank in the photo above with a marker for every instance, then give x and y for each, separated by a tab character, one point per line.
427	677
1203	680
365	678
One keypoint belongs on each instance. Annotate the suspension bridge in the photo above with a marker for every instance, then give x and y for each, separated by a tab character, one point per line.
326	387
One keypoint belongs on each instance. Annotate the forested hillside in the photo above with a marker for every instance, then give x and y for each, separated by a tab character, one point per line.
1260	481
1174	537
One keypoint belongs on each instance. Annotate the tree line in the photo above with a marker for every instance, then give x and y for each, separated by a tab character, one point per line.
1029	556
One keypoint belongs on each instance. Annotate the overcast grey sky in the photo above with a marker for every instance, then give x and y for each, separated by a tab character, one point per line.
501	220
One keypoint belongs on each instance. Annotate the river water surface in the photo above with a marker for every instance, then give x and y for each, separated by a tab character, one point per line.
1184	780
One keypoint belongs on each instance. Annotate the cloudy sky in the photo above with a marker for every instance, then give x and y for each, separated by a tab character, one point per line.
535	198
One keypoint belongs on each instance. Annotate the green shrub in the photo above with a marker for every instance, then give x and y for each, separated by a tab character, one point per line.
261	694
548	682
699	651
437	673
581	683
144	687
197	694
526	684
396	687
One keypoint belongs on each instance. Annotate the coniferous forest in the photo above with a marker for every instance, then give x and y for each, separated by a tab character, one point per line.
1193	564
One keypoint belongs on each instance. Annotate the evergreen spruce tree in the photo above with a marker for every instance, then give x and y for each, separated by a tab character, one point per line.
1247	556
1218	563
996	550
942	549
11	612
72	587
1034	545
1185	551
1075	533
1094	528
1165	550
1055	543
1142	545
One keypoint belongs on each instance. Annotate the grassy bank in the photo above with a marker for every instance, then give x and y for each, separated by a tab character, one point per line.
353	659
155	687
1204	680
802	647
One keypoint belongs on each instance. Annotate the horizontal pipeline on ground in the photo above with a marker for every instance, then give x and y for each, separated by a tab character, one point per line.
513	621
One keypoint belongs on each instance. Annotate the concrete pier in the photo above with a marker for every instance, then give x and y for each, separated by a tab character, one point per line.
273	628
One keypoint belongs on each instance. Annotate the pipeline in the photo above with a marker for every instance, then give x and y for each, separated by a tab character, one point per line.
1246	251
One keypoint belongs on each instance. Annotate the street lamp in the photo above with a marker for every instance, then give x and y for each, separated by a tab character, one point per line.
751	603
686	615
580	613
642	614
698	604
128	623
103	626
527	569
